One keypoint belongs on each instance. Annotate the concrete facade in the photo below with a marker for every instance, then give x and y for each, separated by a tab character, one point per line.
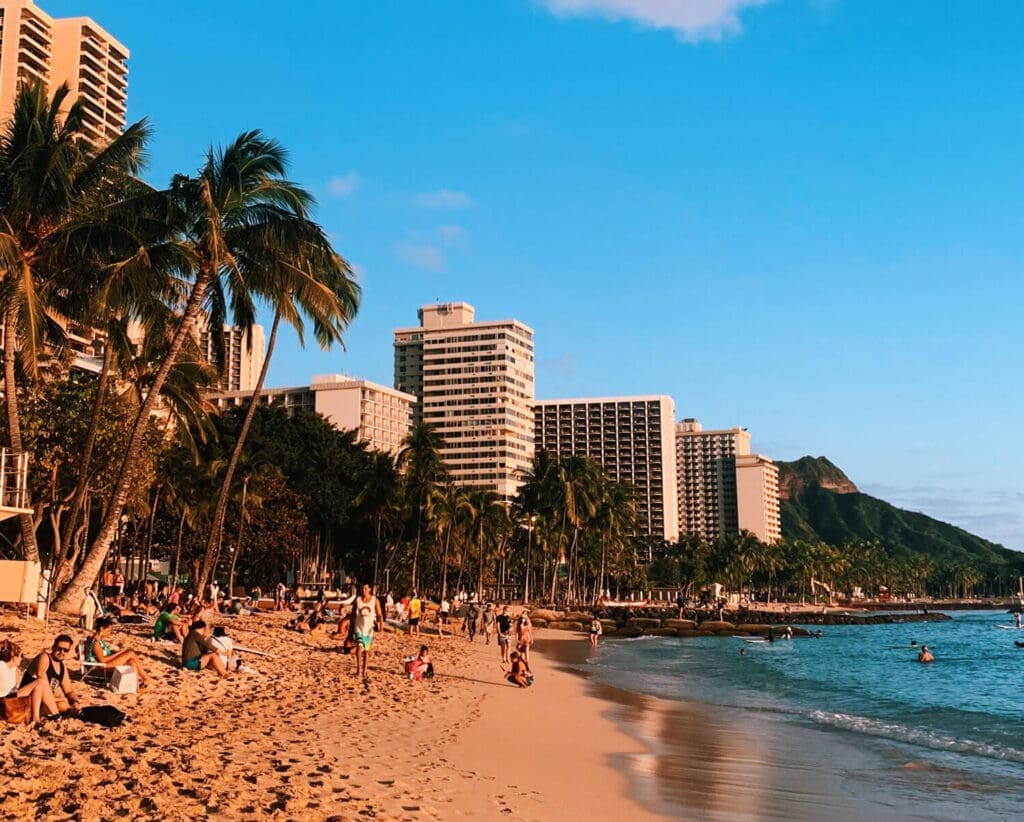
706	465
474	386
633	440
380	416
757	497
244	355
72	50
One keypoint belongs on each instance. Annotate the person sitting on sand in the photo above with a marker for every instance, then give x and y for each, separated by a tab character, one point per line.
197	652
38	691
519	675
925	655
97	649
49	666
420	665
171	622
366	614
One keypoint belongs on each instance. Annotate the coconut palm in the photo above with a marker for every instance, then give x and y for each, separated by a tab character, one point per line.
486	517
52	227
423	470
234	216
377	500
301	276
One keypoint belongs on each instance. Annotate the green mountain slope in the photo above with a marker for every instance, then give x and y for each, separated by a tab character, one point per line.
820	503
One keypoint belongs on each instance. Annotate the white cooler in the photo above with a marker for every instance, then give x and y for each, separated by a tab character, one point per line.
124	680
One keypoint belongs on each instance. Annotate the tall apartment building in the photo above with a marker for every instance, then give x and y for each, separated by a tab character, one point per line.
71	50
757	497
723	488
381	417
474	385
244	355
632	438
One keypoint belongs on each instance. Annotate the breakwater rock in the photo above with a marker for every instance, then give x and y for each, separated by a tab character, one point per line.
635	622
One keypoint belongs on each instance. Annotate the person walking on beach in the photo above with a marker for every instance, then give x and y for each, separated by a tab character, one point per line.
504	623
442	615
472	615
488	622
367	614
415	612
524	636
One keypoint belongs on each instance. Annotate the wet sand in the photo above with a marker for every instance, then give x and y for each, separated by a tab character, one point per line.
703	761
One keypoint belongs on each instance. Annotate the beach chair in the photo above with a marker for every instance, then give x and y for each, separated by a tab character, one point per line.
91	669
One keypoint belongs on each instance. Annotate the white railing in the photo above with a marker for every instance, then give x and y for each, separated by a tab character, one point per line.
13	479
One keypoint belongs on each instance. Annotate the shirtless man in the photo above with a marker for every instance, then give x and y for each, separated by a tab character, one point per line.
925	655
366	613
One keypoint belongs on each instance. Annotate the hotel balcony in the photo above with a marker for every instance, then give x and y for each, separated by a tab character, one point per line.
13	483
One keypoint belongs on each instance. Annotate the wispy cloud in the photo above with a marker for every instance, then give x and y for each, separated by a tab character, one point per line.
344	186
453	234
563	367
691	20
421	255
444	198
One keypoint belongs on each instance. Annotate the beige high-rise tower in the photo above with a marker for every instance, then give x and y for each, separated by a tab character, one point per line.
72	50
474	386
244	355
723	488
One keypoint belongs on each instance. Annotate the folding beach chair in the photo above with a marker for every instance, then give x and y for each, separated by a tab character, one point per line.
91	669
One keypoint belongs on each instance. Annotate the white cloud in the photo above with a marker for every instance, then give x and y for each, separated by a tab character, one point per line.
444	198
343	186
453	234
421	255
691	20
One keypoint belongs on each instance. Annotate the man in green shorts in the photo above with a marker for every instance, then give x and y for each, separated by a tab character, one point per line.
367	614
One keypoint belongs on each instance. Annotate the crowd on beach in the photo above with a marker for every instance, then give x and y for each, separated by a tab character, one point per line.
346	623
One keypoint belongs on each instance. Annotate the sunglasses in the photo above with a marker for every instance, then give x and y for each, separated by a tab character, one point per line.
60	649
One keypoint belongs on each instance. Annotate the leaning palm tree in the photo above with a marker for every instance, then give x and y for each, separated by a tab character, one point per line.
300	274
232	217
52	228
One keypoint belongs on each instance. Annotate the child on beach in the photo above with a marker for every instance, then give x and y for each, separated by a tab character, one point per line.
420	666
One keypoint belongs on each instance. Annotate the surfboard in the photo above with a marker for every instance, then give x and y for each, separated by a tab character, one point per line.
752	639
1008	627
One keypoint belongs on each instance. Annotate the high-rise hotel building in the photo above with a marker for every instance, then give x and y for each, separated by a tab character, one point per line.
632	438
474	386
723	488
244	354
71	50
381	417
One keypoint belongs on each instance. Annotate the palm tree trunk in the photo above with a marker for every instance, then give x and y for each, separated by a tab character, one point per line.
238	541
419	534
69	600
29	546
213	542
444	563
85	467
177	556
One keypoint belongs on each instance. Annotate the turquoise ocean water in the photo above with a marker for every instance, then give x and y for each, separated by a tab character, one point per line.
961	719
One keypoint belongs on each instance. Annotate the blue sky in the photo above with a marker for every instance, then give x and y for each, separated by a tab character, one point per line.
799	216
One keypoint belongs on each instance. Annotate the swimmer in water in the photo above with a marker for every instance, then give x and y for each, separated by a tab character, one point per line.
925	655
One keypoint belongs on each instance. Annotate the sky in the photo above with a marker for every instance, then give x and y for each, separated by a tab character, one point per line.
803	217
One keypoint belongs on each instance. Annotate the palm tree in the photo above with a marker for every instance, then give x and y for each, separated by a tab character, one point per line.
377	500
233	218
486	515
304	276
52	185
579	485
616	520
422	468
448	506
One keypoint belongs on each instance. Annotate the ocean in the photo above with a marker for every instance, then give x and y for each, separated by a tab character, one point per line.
842	726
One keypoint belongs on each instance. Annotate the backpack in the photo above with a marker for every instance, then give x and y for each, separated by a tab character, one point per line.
106	715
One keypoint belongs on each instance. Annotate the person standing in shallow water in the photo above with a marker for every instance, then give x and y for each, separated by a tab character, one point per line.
366	615
925	655
596	630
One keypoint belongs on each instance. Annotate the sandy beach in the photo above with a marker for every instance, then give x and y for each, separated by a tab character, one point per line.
300	737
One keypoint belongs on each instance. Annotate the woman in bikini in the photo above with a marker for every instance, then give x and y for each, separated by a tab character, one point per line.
97	650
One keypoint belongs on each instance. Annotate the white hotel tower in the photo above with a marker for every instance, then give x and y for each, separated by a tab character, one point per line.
474	386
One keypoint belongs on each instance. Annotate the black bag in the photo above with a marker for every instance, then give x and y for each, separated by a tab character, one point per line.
106	715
